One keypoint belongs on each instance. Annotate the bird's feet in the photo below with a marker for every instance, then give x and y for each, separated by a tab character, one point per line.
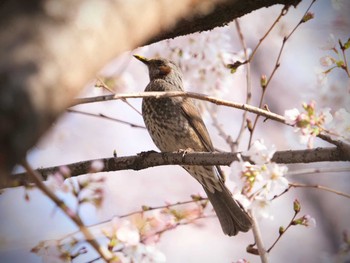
185	151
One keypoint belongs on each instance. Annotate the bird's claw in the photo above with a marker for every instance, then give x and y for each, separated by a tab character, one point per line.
185	151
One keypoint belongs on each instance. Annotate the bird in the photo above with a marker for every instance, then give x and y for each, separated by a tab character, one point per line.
175	124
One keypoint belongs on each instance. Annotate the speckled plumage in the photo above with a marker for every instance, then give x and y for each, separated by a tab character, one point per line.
176	124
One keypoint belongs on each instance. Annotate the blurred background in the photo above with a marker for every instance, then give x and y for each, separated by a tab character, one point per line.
75	137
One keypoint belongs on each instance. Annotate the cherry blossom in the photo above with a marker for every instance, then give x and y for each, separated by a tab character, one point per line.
309	123
340	126
276	182
56	182
306	220
259	153
51	251
143	254
260	181
128	233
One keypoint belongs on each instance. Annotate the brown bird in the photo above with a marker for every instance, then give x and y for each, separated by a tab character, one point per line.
175	124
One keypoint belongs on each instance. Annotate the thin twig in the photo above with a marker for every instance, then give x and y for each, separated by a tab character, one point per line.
285	39
318	170
162	231
36	177
151	208
103	116
105	86
321	187
222	133
258	240
143	210
256	117
277	65
161	94
283	12
346	66
296	185
249	85
283	232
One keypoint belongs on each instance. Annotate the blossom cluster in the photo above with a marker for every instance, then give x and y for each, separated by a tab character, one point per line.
333	85
338	48
311	122
132	238
262	178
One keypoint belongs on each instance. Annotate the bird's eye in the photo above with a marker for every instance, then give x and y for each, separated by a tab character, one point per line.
160	63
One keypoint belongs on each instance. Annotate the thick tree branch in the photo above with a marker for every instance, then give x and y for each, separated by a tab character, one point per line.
216	14
150	159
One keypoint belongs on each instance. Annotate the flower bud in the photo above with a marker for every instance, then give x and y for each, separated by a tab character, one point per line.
281	230
308	16
263	81
296	206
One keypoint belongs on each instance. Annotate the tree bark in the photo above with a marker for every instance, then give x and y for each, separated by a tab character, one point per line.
151	159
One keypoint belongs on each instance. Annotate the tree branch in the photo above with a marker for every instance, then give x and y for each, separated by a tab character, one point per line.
193	95
258	239
216	15
151	159
345	148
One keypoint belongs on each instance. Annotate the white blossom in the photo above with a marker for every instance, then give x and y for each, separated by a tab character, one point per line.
128	233
262	207
276	182
307	221
259	153
291	116
56	182
143	254
341	124
330	44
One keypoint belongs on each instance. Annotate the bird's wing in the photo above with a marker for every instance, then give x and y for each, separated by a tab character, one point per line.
193	116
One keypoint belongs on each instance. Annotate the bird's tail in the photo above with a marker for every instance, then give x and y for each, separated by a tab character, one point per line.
231	216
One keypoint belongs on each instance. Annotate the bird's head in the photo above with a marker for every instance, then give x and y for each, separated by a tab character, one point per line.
161	68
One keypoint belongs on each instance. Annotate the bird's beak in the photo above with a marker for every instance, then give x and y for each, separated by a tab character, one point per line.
142	59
